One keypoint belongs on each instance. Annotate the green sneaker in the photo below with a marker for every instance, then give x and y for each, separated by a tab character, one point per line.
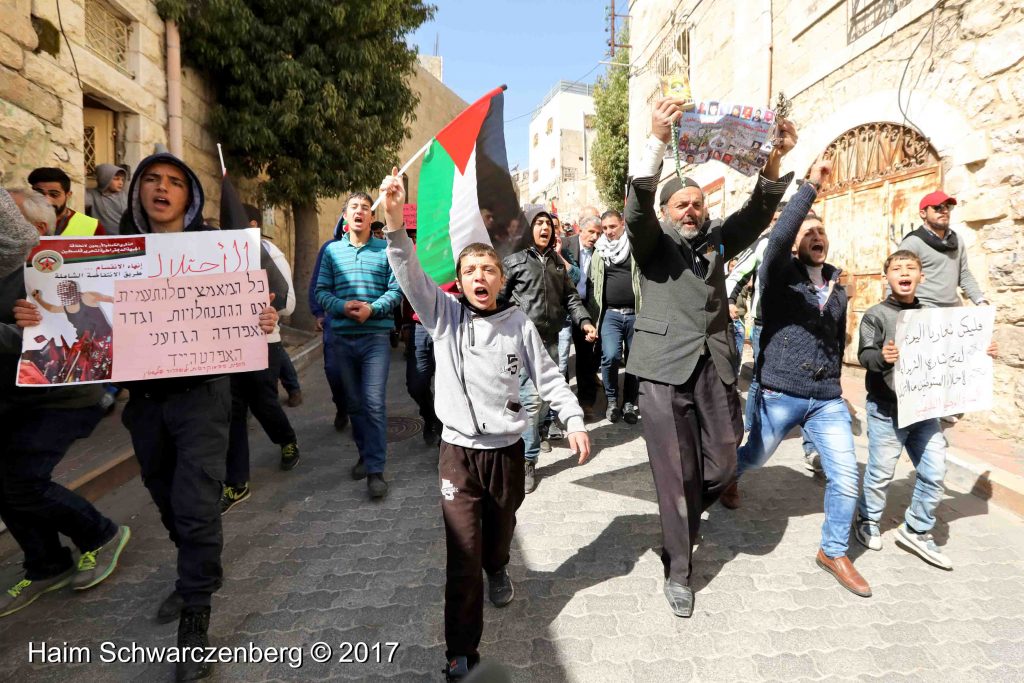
289	456
232	496
25	592
96	565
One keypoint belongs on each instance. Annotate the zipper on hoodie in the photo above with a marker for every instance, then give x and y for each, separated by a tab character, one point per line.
462	368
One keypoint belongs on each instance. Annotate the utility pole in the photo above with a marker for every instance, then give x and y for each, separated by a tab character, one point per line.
612	44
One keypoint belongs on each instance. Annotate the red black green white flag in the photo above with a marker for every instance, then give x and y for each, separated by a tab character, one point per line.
465	190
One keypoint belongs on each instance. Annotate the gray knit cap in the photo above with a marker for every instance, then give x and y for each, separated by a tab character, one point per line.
17	236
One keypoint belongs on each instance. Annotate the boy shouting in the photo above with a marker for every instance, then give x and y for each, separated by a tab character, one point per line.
479	347
923	440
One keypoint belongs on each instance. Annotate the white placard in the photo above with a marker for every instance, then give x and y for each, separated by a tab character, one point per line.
943	368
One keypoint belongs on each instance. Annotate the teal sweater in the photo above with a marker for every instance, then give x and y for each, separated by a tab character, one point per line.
357	273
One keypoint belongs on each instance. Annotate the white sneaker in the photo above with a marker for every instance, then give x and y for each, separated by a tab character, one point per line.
869	535
923	545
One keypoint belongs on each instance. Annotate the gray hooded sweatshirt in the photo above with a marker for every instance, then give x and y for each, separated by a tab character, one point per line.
107	207
478	360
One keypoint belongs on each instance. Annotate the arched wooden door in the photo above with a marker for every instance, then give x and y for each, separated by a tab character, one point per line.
880	172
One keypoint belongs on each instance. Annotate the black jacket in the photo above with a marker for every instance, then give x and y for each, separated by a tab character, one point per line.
682	285
877	327
801	343
539	284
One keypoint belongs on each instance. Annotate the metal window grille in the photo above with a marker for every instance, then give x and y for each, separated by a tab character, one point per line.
89	143
568	173
107	34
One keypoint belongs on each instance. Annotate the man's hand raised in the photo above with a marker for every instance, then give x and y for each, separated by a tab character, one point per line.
666	112
394	199
820	171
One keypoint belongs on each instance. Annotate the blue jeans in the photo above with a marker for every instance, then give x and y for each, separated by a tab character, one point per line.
419	372
536	408
926	447
616	333
564	344
363	360
332	370
740	333
828	424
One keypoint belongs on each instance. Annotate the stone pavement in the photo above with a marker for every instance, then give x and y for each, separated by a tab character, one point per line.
309	558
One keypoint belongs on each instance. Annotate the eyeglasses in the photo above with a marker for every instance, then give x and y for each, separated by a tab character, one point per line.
942	208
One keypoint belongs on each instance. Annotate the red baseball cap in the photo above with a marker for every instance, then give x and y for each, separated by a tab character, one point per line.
935	199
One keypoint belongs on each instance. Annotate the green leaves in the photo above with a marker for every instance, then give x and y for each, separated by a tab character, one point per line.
311	92
610	153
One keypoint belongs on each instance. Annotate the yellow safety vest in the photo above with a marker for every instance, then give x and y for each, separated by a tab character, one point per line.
81	225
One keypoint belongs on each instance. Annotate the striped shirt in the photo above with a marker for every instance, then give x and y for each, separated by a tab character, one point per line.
348	273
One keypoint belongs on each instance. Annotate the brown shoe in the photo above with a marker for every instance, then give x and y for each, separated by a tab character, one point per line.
295	399
846	574
730	497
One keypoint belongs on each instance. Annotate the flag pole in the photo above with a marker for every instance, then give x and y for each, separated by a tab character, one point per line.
220	153
405	167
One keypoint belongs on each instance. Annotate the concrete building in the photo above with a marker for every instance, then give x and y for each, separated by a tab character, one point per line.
561	136
906	97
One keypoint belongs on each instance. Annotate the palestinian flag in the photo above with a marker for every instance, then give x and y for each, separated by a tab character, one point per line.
465	190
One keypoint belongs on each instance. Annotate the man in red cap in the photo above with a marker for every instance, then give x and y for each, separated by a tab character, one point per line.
943	256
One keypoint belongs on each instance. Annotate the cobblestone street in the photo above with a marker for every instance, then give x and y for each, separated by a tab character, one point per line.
308	558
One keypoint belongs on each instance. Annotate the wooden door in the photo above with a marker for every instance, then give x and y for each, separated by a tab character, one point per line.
98	139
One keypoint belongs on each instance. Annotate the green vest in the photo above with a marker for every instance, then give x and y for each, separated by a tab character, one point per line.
81	225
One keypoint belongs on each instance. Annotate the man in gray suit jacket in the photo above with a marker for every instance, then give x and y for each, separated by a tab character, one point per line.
682	351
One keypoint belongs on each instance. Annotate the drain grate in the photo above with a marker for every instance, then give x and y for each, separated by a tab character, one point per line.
402	428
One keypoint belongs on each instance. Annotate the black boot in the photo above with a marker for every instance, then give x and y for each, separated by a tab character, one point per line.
193	641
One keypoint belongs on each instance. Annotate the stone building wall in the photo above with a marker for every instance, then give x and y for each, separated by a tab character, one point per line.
43	82
962	69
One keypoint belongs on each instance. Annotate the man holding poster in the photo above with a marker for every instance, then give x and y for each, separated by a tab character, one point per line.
179	425
887	436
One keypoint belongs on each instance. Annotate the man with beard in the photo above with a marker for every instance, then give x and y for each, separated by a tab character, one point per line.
55	185
682	345
537	280
943	256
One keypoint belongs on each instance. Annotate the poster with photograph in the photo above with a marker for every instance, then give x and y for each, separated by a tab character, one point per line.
72	281
738	135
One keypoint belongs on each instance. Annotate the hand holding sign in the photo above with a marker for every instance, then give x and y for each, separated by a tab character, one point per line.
666	112
268	317
890	354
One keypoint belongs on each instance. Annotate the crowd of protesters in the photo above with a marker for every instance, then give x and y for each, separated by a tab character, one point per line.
647	290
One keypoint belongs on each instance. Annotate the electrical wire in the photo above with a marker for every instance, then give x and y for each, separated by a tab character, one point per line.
537	109
60	23
899	90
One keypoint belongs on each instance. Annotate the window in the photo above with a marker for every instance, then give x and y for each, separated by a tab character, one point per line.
536	139
535	175
106	34
867	14
672	56
568	173
550	126
552	162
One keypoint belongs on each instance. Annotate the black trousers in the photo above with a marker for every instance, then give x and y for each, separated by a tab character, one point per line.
588	363
480	493
36	509
181	442
692	432
256	391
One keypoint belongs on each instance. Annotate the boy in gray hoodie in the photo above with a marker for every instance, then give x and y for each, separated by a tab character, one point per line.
108	201
479	347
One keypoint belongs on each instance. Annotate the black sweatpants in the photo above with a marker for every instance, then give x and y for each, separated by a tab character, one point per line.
692	432
480	493
256	391
181	442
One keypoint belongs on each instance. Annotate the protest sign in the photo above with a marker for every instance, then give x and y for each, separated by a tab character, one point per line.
943	368
71	280
199	325
739	136
409	216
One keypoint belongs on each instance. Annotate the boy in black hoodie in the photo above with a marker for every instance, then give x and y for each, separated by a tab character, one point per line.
924	441
179	427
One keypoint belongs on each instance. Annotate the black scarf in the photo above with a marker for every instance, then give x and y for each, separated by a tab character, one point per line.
933	241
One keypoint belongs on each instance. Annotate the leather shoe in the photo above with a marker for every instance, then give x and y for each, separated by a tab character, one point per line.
846	574
680	598
730	497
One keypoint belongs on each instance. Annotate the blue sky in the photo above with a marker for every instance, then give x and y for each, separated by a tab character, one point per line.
526	44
